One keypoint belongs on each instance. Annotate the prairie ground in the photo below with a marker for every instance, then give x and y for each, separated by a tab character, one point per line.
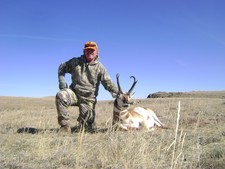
196	138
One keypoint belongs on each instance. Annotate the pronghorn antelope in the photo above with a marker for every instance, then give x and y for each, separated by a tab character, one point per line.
126	118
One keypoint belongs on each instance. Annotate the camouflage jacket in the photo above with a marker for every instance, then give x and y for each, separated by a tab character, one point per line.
86	77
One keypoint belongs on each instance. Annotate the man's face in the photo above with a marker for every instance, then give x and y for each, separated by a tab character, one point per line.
90	54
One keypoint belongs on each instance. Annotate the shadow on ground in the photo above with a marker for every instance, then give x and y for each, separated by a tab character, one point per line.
32	130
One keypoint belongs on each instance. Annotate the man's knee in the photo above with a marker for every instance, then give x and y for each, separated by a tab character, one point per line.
67	97
62	98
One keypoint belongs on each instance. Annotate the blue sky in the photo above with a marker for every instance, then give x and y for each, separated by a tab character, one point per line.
168	45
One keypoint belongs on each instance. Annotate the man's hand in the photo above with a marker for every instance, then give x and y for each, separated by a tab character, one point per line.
113	95
62	85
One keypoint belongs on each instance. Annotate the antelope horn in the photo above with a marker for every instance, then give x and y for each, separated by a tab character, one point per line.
134	83
118	83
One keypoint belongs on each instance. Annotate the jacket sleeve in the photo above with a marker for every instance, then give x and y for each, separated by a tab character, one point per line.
107	82
62	70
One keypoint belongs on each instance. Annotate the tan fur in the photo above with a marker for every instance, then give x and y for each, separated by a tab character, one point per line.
135	120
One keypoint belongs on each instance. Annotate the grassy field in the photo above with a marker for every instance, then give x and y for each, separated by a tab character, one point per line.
196	138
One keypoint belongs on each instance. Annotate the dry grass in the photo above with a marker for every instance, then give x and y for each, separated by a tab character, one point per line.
196	141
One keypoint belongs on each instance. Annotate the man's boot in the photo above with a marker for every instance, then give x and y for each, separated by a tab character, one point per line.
65	129
90	127
77	128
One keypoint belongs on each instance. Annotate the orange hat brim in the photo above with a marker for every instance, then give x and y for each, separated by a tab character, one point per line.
94	48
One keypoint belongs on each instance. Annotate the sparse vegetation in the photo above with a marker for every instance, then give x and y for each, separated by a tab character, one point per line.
200	136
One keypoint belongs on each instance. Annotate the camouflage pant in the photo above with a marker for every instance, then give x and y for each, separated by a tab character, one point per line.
65	98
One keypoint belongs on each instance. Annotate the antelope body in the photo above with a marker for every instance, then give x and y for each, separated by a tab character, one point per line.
127	118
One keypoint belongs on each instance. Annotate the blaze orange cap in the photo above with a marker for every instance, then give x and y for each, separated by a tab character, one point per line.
91	45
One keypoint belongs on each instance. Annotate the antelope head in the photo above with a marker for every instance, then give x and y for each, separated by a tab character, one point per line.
123	100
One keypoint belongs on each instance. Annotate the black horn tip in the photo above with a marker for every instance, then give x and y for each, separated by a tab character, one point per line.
133	78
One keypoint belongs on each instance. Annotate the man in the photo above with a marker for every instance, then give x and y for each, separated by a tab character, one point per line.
87	72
